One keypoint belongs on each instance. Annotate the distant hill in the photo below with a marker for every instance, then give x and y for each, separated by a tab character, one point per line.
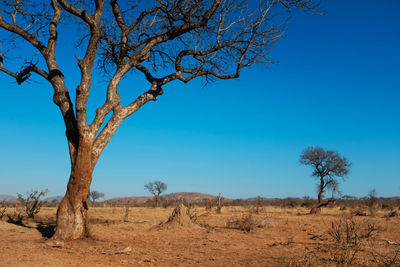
8	198
53	199
192	197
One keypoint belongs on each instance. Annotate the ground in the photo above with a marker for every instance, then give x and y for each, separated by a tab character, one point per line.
288	237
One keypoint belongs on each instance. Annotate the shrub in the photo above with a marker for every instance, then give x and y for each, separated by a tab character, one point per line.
246	223
2	211
348	231
31	202
348	235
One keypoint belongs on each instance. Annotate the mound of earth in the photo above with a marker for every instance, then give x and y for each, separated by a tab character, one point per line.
180	218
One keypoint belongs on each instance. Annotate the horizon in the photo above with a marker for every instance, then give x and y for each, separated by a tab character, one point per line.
336	86
229	198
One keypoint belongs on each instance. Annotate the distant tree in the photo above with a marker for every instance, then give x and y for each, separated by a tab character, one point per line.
31	202
156	188
259	202
327	166
372	199
94	195
220	199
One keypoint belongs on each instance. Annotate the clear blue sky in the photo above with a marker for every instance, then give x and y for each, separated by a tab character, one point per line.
337	85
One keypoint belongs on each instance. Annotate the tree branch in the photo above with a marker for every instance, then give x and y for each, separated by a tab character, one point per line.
24	34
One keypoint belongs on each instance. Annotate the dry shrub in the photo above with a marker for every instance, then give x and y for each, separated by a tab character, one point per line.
392	214
359	212
383	257
2	212
16	218
348	235
31	202
349	231
247	222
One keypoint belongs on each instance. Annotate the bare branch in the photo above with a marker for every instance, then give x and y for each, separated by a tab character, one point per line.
76	11
24	34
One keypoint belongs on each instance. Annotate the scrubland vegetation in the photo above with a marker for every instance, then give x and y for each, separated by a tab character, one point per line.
255	232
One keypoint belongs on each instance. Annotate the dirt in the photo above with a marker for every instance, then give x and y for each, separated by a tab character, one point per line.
290	237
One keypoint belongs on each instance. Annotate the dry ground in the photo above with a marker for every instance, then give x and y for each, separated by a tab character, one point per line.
289	238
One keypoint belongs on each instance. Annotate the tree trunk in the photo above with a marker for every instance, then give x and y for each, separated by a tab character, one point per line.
157	198
321	190
72	211
320	197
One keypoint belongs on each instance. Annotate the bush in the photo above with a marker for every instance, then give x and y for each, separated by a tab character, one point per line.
349	231
247	222
31	202
348	235
2	211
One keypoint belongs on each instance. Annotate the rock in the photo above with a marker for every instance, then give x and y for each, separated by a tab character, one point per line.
55	244
124	251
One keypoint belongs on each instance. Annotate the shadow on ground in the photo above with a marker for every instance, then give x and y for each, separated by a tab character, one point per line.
47	230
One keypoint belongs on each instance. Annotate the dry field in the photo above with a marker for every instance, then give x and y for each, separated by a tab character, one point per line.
286	237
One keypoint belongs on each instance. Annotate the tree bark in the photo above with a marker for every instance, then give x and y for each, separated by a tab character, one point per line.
321	190
72	212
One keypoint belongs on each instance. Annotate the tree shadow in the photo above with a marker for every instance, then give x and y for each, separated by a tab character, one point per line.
47	230
17	220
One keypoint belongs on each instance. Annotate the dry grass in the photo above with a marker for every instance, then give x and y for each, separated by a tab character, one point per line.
293	239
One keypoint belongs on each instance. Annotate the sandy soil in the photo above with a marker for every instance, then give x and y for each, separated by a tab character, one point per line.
288	237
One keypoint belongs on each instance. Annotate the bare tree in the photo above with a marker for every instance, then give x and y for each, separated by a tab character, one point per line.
372	200
94	195
156	188
159	40
327	166
220	199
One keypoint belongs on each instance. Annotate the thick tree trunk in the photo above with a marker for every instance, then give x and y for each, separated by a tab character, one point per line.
72	212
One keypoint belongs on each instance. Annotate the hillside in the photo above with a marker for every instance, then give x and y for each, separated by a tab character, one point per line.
192	197
7	198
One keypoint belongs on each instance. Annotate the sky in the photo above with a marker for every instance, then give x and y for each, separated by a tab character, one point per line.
336	85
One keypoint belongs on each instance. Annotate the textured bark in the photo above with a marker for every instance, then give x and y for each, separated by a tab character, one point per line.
72	212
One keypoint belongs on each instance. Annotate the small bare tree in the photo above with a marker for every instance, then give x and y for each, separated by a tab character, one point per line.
156	188
31	202
372	199
327	166
94	195
160	41
259	202
126	213
220	199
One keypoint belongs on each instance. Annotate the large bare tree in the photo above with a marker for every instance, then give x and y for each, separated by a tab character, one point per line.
327	166
161	40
